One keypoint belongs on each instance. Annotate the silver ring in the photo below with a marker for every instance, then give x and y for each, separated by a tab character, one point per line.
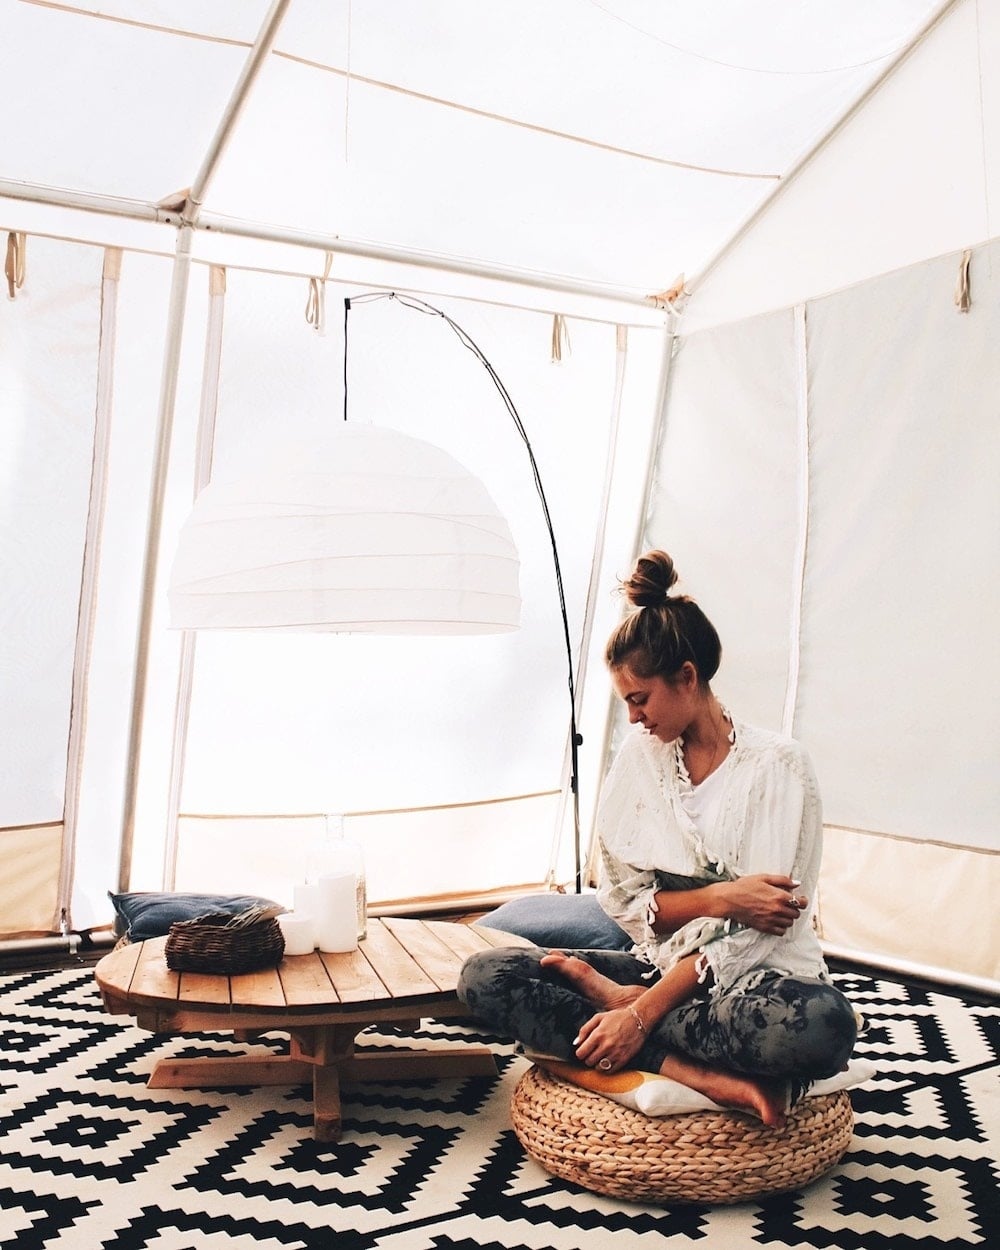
605	1065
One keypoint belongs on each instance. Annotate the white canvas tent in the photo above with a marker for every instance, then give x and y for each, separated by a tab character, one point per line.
807	427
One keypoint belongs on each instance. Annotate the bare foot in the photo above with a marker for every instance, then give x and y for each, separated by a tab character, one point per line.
597	988
765	1099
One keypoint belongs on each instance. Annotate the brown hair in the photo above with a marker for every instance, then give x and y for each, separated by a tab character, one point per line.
665	630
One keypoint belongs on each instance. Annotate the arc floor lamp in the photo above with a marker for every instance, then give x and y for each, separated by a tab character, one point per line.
392	535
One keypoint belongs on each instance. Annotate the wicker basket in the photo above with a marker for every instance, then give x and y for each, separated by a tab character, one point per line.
219	944
705	1156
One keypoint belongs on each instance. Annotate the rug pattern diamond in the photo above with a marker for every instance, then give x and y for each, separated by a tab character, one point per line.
93	1158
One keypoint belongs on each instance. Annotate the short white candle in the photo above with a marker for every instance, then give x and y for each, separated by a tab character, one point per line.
299	932
306	900
337	917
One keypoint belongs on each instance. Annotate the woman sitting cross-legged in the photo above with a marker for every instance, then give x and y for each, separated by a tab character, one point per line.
711	835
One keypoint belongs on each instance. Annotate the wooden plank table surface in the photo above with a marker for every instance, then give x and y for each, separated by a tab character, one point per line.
402	971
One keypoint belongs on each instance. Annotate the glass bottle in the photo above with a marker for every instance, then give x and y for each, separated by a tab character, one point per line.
340	851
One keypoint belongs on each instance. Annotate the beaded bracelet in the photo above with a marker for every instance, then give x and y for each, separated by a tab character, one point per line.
638	1020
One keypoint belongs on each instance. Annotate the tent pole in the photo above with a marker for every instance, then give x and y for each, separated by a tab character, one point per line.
87	202
237	102
93	534
807	157
215	224
202	475
168	398
261	232
904	967
168	395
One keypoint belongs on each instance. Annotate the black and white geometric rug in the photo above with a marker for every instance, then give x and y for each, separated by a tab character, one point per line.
89	1157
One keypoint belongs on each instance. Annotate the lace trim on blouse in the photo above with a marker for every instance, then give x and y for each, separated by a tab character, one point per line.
704	856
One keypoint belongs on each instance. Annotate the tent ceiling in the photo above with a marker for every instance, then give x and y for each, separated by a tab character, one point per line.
617	142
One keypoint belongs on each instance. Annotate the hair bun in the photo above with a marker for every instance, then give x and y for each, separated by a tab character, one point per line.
651	580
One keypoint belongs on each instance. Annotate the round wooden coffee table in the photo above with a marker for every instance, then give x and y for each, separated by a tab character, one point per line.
403	971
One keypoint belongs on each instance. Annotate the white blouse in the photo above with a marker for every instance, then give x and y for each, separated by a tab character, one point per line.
768	819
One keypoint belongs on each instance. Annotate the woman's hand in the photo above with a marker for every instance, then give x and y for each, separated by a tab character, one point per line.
767	902
609	1040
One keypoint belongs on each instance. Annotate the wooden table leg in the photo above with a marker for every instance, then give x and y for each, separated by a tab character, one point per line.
325	1044
448	1063
326	1047
323	1053
327	1123
227	1071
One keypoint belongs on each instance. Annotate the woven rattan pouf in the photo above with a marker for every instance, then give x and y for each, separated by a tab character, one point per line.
704	1156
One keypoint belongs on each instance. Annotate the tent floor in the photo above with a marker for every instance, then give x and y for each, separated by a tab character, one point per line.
93	1156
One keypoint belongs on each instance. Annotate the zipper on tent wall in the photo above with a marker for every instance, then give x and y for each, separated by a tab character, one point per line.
596	562
204	449
802	540
96	506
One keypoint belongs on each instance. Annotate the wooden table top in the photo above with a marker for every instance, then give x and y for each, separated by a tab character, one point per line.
400	964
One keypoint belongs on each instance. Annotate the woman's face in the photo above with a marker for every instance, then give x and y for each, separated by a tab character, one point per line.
664	708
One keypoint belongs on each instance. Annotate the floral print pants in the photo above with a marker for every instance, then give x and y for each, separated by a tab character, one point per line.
786	1027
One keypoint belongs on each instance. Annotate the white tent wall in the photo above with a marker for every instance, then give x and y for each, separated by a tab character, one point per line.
913	173
142	301
451	787
49	334
900	599
80	365
824	495
280	726
614	142
288	726
564	158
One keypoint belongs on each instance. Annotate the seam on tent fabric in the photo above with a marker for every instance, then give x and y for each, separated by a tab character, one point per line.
103	409
802	542
913	841
982	128
670	350
379	811
244	43
747	69
155	27
551	132
204	448
791	175
382	85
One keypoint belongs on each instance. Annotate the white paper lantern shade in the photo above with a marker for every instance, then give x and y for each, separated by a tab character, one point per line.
378	533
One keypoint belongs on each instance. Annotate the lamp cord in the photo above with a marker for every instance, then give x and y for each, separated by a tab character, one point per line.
575	741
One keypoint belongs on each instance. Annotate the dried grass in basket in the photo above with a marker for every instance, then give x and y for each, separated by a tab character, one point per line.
705	1156
225	944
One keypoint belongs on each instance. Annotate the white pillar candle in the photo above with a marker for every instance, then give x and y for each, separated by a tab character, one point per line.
306	900
299	932
337	917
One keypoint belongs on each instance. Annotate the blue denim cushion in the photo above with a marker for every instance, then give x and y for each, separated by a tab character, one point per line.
147	914
559	920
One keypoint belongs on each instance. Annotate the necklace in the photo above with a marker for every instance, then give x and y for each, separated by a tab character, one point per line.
711	759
